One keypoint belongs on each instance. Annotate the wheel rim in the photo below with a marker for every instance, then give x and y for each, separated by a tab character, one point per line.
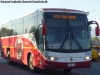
8	57
31	63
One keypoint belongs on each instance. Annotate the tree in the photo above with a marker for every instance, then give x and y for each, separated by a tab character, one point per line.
33	29
95	38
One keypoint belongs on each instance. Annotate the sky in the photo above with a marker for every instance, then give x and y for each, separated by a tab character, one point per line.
10	11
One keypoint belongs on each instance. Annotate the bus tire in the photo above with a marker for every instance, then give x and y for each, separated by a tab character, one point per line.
67	70
31	65
8	58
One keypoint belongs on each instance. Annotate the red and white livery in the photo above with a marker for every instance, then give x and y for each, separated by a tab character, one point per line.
49	38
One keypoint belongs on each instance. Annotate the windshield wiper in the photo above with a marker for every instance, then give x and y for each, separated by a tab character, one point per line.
73	37
64	41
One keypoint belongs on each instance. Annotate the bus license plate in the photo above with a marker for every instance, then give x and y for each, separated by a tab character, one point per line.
71	64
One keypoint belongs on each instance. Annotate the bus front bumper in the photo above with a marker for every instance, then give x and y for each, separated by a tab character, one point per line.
66	65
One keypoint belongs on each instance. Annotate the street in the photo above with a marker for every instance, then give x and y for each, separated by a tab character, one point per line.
19	69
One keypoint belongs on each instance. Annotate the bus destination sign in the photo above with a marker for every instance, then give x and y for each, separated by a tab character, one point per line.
64	17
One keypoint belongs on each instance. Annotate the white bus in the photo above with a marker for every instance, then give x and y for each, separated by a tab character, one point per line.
49	38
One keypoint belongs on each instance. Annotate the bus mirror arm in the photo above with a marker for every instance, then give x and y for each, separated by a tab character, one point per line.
97	28
43	43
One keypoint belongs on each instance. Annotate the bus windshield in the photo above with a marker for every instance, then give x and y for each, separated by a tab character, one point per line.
59	25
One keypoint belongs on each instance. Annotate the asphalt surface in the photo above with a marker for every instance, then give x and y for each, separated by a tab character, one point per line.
19	69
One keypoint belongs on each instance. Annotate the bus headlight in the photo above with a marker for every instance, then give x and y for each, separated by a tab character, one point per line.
87	57
51	58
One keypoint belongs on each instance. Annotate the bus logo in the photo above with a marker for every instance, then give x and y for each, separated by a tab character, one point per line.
71	58
19	47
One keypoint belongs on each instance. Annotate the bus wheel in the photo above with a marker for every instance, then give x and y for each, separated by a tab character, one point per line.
67	70
8	58
31	65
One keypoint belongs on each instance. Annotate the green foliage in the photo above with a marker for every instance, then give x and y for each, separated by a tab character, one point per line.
96	38
33	29
7	32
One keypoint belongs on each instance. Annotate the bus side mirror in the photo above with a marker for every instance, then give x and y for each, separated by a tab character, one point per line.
44	30
96	29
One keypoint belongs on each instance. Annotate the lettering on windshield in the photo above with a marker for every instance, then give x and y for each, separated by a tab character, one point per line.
64	17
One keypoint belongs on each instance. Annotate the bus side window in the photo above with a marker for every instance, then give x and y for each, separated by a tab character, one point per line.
40	17
37	37
40	38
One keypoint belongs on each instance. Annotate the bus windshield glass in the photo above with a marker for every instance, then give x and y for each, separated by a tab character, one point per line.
59	25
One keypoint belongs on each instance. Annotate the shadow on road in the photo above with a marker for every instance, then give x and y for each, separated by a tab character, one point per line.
41	72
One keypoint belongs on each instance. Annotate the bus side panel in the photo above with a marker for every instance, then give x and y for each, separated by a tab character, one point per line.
28	46
4	42
3	53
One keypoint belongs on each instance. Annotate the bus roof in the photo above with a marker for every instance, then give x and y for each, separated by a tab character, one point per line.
50	10
61	10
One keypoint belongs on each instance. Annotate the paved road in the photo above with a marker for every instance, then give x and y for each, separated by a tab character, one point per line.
18	69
